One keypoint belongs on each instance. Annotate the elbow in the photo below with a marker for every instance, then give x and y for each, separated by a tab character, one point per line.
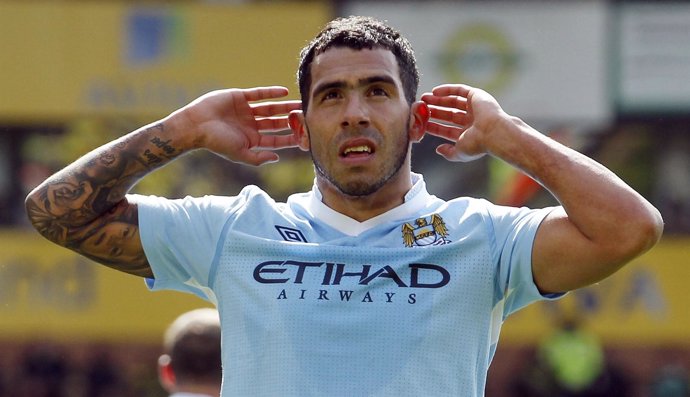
652	230
30	208
642	233
40	217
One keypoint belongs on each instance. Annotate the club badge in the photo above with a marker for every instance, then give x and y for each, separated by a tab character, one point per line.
425	231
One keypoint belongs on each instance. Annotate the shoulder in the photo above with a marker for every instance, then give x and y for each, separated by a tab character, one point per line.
248	194
478	214
482	207
465	208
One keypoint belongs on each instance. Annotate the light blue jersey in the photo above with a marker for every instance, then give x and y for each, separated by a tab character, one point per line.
313	303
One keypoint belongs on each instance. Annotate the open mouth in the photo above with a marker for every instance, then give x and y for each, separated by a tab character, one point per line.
359	150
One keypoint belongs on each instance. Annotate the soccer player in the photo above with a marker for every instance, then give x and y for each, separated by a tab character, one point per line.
367	284
190	365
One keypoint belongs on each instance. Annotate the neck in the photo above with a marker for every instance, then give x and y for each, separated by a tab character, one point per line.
362	208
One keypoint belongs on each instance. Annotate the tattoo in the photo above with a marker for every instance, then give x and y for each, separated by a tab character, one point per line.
51	228
84	207
107	159
113	240
152	159
169	150
163	149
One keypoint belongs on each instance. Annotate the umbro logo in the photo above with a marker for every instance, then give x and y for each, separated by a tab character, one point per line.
291	234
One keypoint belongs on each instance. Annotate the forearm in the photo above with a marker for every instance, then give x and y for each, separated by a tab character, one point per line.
597	202
94	184
603	224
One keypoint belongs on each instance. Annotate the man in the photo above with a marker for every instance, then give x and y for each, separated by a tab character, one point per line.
190	365
367	284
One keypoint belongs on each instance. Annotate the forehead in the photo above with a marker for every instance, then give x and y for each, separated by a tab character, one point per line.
346	64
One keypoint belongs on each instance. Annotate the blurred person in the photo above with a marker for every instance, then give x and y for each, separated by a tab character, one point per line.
576	361
574	356
670	380
44	371
103	377
191	364
367	284
571	362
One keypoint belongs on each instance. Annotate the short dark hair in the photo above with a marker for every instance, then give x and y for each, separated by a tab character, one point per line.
193	343
358	32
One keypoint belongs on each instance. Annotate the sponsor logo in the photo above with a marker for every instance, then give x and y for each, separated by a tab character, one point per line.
480	54
154	36
328	281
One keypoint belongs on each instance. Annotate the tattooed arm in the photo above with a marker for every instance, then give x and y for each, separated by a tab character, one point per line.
84	207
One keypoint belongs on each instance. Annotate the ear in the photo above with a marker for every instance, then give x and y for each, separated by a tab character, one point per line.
419	116
299	128
166	376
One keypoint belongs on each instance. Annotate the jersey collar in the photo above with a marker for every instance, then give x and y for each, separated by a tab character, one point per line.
415	199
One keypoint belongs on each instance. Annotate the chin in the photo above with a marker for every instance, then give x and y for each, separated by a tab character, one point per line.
355	184
359	187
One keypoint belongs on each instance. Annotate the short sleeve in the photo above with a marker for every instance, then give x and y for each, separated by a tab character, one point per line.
180	238
514	231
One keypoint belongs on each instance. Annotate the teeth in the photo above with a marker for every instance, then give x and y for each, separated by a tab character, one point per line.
358	149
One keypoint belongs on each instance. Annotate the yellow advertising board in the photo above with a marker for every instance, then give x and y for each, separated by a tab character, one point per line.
61	59
48	291
647	302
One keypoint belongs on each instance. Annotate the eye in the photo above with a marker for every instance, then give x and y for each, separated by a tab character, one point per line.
330	95
378	91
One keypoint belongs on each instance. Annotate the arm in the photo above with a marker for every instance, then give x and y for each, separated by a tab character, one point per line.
84	206
602	223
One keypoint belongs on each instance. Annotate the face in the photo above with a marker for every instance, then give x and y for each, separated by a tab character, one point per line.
111	242
358	121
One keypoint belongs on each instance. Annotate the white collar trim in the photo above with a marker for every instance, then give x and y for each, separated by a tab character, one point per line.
415	199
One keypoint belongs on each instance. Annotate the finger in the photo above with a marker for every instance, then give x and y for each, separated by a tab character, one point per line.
277	141
455	116
261	93
447	150
449	132
451	101
272	124
259	157
274	108
452	89
451	153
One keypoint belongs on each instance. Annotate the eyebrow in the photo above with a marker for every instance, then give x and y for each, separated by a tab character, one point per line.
361	82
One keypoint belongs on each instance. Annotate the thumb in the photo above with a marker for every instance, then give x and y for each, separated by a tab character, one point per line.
446	150
451	153
262	157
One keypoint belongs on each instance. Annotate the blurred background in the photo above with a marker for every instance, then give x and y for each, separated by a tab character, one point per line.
608	78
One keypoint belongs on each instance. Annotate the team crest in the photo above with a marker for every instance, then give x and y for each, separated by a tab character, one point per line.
425	231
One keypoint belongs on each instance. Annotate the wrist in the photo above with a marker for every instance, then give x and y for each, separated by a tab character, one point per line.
180	129
500	135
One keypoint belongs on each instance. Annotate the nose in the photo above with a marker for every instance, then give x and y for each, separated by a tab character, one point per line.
355	113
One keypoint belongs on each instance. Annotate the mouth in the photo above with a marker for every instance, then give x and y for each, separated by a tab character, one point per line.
359	148
357	151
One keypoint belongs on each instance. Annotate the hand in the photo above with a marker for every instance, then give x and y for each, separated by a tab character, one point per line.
226	123
467	116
